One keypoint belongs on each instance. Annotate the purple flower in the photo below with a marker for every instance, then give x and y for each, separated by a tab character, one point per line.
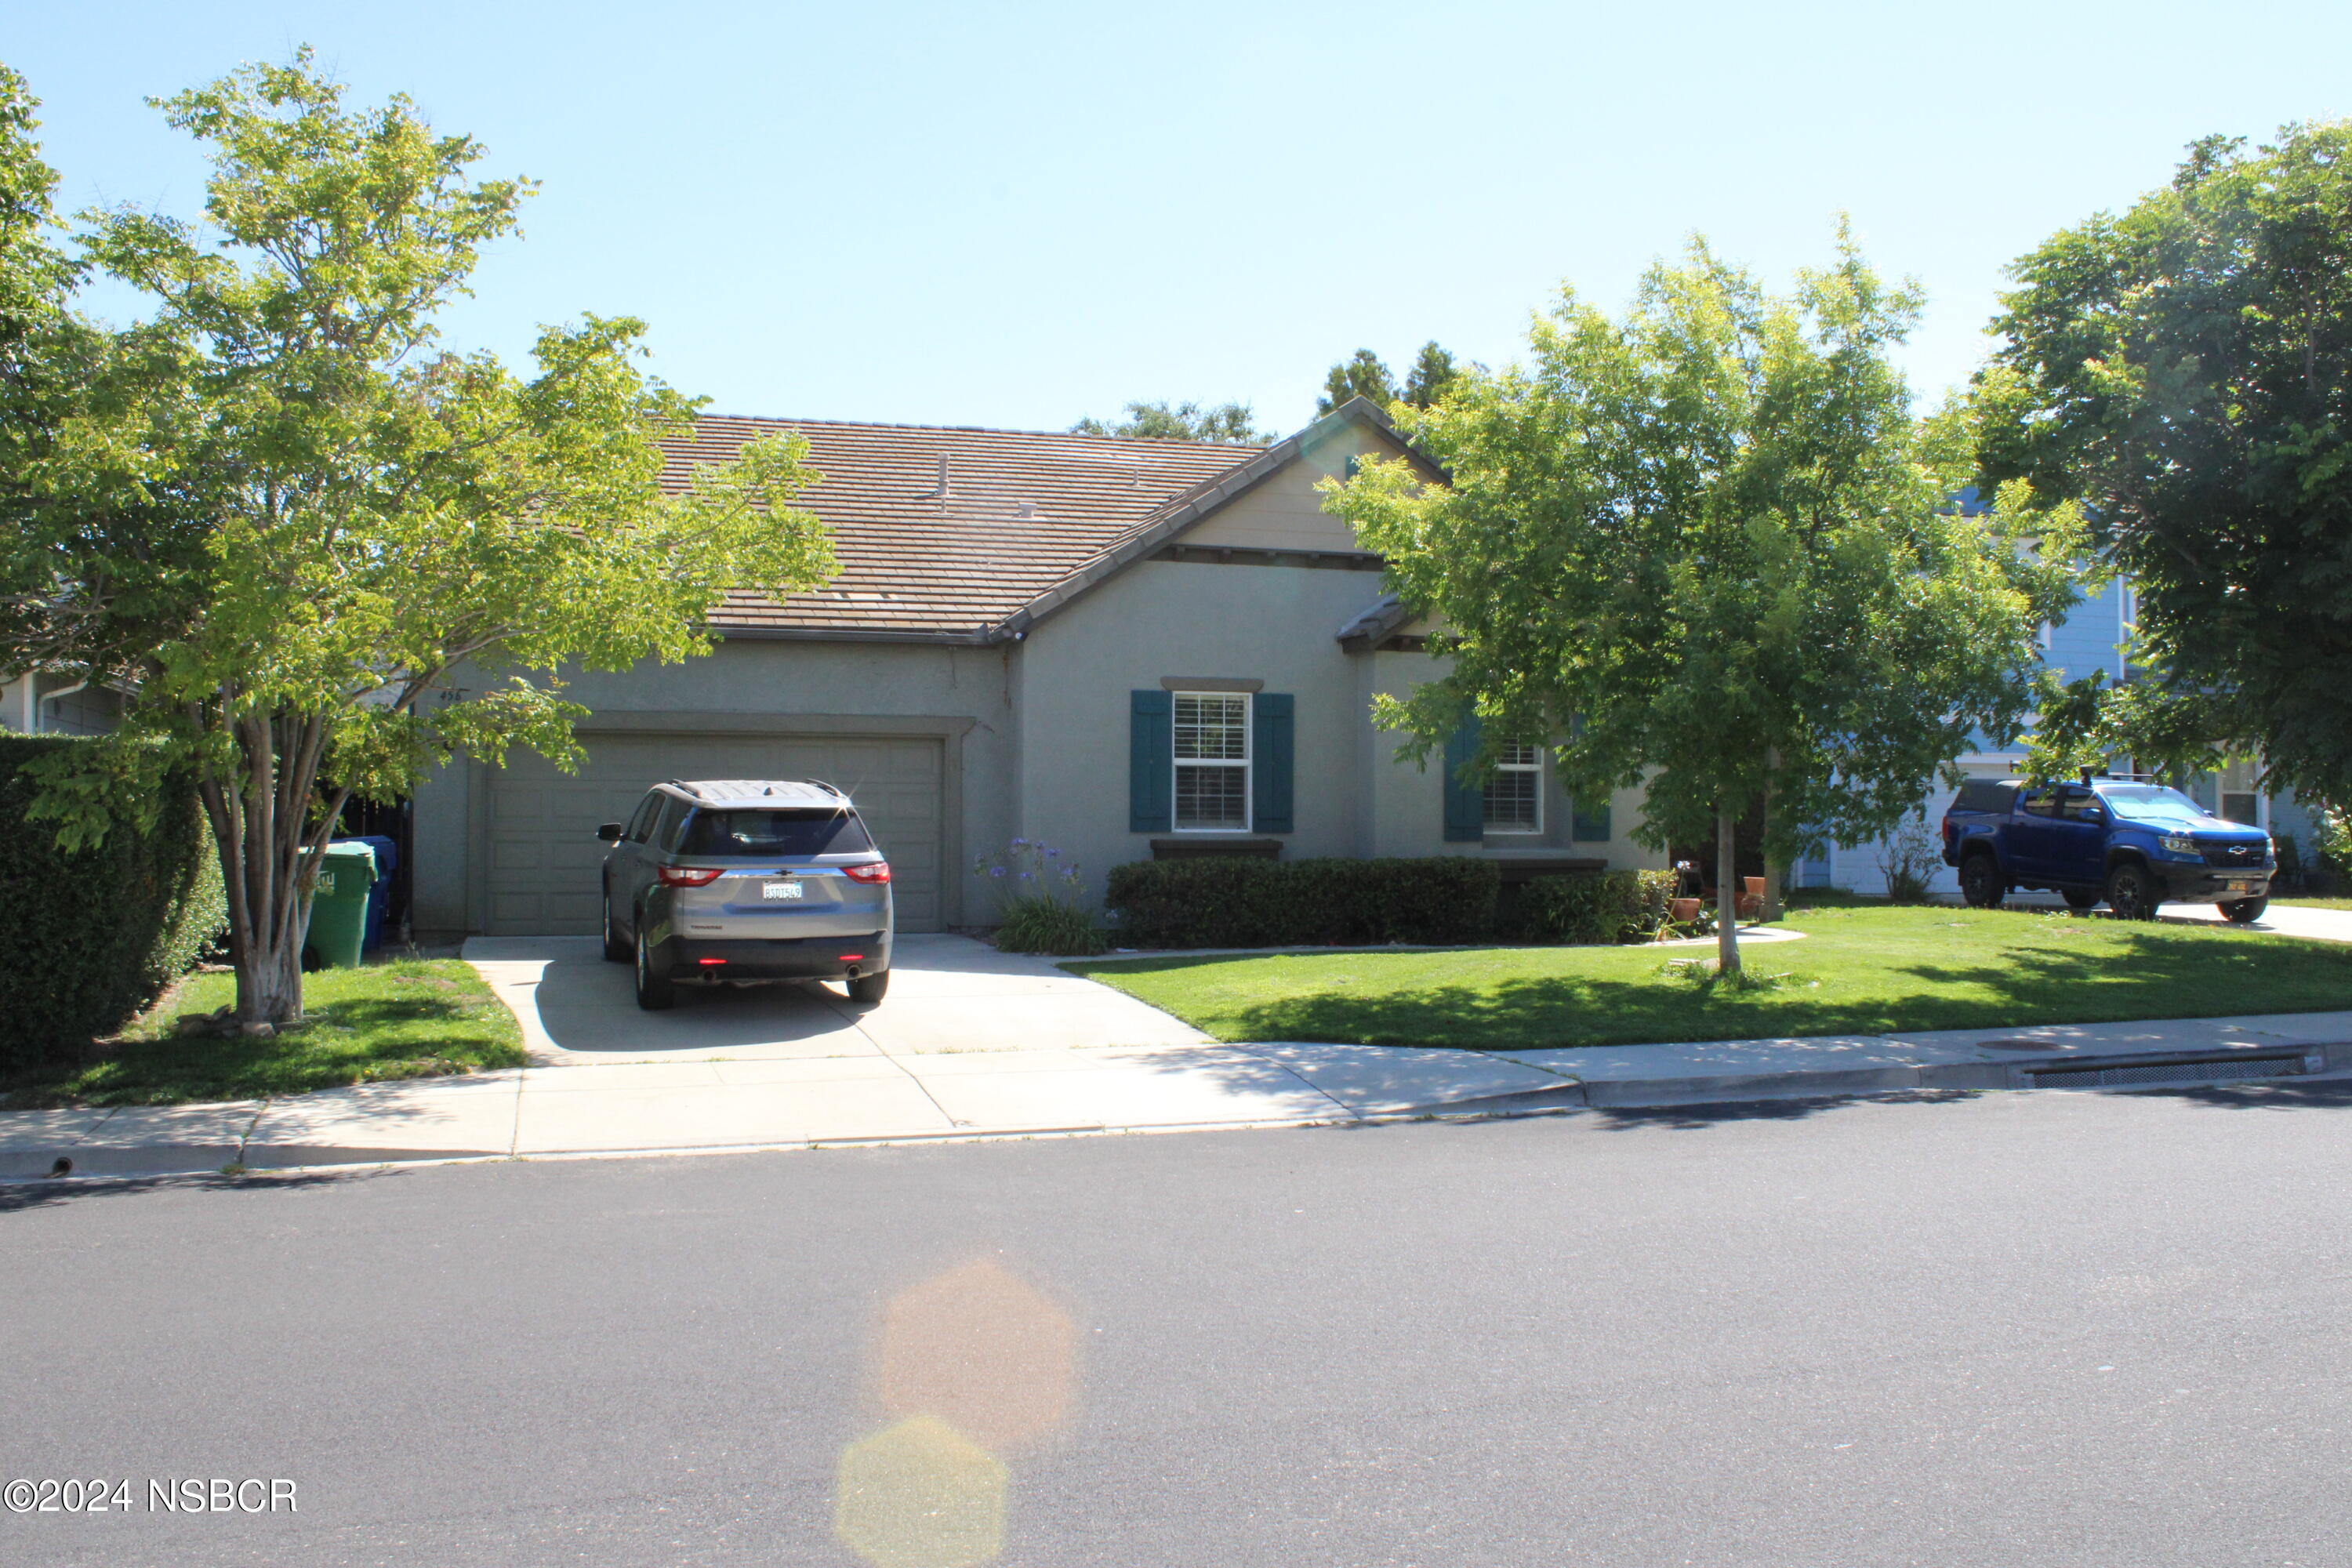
996	870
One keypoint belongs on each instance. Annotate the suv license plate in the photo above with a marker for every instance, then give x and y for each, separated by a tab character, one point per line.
780	890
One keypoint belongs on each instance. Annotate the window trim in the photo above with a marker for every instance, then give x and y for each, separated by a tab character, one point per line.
1535	767
1246	766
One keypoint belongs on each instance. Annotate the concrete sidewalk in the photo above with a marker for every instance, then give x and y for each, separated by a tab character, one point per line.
802	1102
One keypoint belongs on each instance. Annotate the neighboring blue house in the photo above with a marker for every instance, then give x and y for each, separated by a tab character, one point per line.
2092	637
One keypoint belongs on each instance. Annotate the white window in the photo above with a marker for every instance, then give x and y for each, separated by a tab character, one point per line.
2241	798
1515	791
1212	762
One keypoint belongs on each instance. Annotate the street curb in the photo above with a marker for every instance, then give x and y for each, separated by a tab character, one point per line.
2297	1059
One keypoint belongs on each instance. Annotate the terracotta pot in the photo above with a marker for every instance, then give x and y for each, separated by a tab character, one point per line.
1684	910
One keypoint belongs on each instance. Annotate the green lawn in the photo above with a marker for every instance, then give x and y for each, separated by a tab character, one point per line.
414	1018
1864	969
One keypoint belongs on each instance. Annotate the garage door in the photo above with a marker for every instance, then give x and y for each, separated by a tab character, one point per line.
544	854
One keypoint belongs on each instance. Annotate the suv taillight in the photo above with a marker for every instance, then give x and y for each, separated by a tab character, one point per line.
877	872
688	876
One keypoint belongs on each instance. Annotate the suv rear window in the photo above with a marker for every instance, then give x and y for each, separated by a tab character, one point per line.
767	831
1984	794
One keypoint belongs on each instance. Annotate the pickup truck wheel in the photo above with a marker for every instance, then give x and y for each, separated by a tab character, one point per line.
1980	882
2131	892
2244	912
655	992
2082	903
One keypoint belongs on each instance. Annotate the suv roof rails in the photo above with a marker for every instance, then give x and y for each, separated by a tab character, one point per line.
826	785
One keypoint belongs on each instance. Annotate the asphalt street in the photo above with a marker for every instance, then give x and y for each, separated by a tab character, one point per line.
2017	1328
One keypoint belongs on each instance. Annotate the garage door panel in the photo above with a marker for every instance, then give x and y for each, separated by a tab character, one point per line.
544	856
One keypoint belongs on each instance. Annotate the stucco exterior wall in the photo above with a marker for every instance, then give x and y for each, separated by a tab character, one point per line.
1285	511
1163	621
801	686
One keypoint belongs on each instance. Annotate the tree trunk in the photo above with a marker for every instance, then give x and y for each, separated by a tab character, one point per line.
1727	892
260	815
1776	871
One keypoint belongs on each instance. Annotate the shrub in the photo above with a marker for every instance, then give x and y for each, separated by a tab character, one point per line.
88	939
1590	909
1038	895
1037	922
1909	858
1441	901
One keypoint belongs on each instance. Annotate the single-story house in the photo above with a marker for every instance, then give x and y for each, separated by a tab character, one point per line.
1128	649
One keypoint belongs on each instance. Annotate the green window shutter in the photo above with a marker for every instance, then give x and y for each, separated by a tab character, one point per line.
1589	825
1466	803
1270	766
1150	758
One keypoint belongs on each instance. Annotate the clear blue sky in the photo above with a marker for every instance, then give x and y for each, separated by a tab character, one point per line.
1016	214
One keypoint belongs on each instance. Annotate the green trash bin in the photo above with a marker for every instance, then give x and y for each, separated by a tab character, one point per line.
338	907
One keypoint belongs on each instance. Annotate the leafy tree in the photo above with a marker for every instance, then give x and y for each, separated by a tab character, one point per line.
1703	548
341	514
2185	371
1228	422
1365	375
1360	375
1434	370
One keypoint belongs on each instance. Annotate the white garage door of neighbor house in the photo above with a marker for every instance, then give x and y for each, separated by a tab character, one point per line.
544	854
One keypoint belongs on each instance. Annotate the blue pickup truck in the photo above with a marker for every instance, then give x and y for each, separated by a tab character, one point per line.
2134	843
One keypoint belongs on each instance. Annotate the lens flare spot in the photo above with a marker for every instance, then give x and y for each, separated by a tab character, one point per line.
982	1352
920	1494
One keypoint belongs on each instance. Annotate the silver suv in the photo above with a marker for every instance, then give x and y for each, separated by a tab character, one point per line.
734	880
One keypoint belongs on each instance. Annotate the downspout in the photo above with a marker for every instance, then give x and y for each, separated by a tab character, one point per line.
62	692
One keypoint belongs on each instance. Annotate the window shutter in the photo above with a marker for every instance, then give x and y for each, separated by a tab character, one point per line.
1466	803
1270	754
1151	761
1586	824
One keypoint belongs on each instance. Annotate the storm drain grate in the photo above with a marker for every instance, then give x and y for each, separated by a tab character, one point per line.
2217	1070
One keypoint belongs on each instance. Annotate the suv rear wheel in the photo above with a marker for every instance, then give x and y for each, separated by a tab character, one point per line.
868	989
1980	882
655	992
2244	912
2131	891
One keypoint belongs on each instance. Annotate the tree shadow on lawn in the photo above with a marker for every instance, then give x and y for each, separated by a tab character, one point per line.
358	1040
2152	977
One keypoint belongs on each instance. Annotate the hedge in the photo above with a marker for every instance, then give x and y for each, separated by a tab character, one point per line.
88	940
1441	901
1220	902
1591	908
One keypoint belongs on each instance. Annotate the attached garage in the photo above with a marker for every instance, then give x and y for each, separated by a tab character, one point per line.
542	855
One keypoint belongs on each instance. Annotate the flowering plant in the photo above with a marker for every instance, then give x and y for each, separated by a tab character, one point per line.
1038	898
1029	867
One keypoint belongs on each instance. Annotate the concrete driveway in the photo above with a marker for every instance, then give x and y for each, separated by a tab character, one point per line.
2283	920
947	994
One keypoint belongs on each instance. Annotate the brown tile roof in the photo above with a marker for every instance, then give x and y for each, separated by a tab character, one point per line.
1024	512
